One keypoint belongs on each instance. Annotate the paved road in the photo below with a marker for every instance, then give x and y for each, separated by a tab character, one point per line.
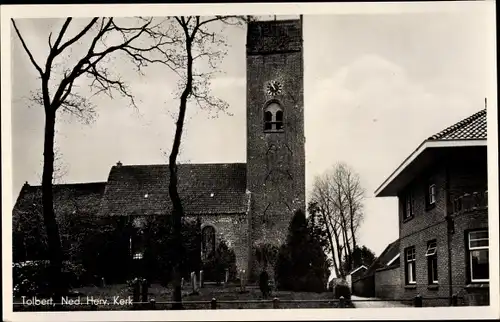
371	302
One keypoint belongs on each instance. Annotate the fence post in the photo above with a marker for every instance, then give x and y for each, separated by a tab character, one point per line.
276	303
152	304
213	304
454	300
342	302
417	301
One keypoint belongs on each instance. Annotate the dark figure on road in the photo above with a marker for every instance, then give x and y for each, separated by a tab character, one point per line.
264	284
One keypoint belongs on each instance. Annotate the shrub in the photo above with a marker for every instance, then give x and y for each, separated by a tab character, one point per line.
215	266
302	264
31	278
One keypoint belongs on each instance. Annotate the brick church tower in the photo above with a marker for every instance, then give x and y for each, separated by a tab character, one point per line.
275	127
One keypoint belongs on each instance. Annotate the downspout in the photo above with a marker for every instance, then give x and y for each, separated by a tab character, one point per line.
449	226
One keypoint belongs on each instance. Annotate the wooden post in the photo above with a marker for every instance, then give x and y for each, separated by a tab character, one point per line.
276	303
226	279
417	301
152	304
454	300
342	302
213	304
182	283
201	279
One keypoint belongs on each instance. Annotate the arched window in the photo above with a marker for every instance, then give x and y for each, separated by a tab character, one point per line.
273	117
208	241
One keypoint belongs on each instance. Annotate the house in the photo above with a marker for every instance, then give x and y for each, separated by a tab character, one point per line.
442	190
247	204
355	274
381	278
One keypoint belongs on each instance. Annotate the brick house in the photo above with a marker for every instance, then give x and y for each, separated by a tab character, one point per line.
249	204
443	215
381	278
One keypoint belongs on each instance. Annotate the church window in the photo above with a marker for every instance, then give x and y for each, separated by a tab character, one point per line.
208	241
273	118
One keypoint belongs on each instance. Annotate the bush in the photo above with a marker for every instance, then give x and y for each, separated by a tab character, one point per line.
31	278
342	290
214	268
301	265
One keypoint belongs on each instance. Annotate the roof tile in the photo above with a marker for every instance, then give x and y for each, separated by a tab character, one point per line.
471	128
210	188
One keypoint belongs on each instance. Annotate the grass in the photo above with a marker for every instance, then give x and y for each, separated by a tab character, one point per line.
287	299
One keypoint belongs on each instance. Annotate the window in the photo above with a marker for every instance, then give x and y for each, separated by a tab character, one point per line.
409	206
208	241
432	194
432	268
137	256
478	256
273	118
410	265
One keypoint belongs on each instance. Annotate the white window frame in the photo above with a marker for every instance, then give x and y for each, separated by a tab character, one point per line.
471	249
411	277
432	252
432	194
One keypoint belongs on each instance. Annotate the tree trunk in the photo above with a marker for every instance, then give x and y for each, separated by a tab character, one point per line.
332	246
177	209
339	252
53	238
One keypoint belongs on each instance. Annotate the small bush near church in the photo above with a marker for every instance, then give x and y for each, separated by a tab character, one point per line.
214	268
342	290
301	265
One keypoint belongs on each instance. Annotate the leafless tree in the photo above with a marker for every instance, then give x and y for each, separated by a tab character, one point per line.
194	56
61	78
338	198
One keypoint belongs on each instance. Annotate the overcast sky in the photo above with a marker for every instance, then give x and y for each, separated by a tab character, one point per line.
376	86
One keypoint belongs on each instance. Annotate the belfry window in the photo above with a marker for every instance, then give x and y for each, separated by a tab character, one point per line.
273	118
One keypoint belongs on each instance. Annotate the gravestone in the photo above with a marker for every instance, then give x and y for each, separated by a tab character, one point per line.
202	281
103	282
182	283
243	280
226	279
194	287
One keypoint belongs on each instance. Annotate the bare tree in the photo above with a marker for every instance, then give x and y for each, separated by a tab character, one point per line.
194	45
338	197
59	83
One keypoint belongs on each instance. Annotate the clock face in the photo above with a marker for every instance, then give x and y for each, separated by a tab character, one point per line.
274	88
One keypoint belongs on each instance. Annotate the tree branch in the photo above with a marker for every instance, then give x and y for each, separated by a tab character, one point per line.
30	55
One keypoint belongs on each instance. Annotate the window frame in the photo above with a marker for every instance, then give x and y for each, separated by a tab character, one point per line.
408	203
470	250
430	198
273	107
410	279
432	267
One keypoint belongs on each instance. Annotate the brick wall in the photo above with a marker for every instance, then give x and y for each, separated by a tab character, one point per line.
275	161
452	179
233	229
388	283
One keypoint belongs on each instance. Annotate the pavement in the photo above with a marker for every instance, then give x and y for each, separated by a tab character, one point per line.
373	302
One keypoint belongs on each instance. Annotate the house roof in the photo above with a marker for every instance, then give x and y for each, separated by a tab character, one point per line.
471	128
385	258
81	197
469	132
357	269
205	188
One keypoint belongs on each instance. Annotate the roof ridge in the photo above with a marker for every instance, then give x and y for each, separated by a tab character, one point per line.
181	164
70	184
457	125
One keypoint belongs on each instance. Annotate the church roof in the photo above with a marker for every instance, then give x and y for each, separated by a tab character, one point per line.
81	197
471	128
210	188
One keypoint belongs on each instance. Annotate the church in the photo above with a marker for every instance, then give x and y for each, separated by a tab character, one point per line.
247	204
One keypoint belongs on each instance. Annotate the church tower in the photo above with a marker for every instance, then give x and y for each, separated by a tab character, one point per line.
275	127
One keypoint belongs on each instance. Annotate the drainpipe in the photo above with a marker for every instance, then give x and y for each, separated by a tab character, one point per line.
449	226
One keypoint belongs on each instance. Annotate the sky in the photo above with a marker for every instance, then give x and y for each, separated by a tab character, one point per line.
376	86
